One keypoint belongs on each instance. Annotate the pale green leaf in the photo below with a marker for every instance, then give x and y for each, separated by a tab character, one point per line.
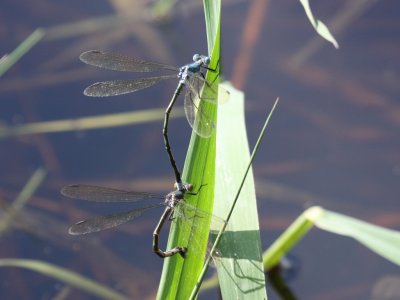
240	246
383	241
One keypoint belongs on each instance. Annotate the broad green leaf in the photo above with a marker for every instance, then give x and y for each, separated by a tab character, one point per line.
64	275
383	241
179	274
218	236
240	246
318	25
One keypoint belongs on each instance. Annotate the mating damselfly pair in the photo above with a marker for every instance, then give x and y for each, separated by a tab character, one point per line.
192	79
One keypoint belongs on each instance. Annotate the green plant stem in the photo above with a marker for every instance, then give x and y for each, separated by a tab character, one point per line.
289	238
218	238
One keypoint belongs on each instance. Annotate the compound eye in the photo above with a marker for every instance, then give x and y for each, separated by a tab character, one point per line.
207	60
196	57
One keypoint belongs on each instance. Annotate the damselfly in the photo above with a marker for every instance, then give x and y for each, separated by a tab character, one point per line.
190	77
174	201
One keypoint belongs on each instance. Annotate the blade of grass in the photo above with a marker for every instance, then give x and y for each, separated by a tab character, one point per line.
23	197
21	50
64	275
85	123
179	275
220	233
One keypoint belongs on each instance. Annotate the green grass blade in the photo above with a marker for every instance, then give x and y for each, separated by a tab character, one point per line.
180	275
7	62
212	12
64	275
23	197
318	25
86	123
240	245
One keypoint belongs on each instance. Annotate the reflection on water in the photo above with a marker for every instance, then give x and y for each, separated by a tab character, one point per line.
333	141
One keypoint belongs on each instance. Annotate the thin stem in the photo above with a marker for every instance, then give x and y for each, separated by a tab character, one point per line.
8	61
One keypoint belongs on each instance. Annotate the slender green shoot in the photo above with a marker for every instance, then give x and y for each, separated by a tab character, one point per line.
23	197
9	60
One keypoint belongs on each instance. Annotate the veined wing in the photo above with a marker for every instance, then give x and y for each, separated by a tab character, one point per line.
108	221
214	93
118	62
103	194
198	118
120	87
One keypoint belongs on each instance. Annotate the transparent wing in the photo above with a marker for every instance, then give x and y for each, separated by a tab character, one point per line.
214	92
108	221
197	117
103	194
120	87
118	62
